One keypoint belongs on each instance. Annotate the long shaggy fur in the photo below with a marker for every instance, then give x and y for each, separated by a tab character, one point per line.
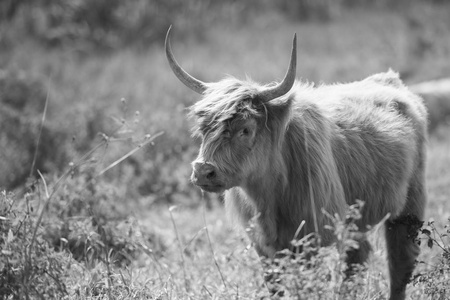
320	148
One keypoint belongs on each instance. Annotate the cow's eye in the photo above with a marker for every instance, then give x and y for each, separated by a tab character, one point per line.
245	132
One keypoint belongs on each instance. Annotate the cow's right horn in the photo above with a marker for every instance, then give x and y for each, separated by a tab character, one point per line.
288	81
191	82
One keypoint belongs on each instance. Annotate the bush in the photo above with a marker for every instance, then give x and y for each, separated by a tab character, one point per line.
22	102
115	23
77	216
43	266
438	105
83	220
89	219
320	272
26	271
436	279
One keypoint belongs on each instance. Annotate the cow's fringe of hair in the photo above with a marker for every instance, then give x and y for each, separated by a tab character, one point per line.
222	101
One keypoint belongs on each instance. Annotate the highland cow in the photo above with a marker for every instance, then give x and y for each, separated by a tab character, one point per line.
284	152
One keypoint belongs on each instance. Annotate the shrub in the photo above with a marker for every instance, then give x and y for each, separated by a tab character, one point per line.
77	216
22	102
115	23
436	278
320	272
438	105
36	272
90	219
38	262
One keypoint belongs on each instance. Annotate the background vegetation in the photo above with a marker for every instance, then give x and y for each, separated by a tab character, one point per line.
84	229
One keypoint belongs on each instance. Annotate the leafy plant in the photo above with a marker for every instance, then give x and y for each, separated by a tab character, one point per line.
74	217
436	278
28	272
318	272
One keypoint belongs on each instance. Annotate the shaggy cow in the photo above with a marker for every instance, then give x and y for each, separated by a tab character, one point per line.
283	152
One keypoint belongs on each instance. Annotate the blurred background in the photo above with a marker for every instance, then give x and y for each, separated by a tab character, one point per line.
102	66
101	69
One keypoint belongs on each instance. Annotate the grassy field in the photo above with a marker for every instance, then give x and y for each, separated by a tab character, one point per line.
141	230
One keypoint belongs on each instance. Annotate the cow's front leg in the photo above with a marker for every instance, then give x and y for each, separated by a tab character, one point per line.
263	233
266	245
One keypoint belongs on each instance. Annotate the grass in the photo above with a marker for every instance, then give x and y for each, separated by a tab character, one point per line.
141	230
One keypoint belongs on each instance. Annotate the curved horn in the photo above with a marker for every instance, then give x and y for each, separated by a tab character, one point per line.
191	82
288	81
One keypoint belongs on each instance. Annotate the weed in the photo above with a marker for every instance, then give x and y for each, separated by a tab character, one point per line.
436	278
25	272
316	272
71	219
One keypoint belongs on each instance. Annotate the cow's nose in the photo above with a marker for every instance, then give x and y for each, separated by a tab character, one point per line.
203	173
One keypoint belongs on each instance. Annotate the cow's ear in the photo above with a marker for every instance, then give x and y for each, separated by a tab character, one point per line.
279	109
278	116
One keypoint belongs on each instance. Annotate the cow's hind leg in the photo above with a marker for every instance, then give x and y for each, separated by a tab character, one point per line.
401	249
402	253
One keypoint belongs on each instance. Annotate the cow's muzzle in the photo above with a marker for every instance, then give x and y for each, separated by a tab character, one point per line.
206	176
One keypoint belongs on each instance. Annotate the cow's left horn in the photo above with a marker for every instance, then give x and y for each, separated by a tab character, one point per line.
191	82
288	81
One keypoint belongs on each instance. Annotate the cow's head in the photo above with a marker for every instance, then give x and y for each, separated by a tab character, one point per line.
239	123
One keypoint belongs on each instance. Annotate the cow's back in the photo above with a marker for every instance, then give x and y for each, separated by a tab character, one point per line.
378	132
